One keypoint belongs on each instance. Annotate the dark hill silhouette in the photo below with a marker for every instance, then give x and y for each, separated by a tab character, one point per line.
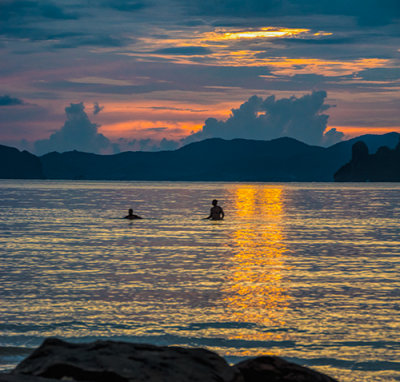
278	160
15	164
383	166
209	160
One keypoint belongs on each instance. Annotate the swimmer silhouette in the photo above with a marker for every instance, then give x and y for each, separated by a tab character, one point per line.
216	212
131	215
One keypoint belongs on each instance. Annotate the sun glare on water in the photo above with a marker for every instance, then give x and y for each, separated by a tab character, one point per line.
255	291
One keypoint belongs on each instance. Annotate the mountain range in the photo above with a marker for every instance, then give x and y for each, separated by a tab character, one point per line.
278	160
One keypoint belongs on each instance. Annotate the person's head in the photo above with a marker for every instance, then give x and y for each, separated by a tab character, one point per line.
130	211
214	202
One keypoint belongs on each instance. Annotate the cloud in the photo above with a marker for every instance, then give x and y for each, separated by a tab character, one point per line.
77	40
124	5
174	109
367	13
6	100
264	119
16	17
184	50
167	144
22	9
78	133
97	108
332	136
60	25
145	144
155	129
380	74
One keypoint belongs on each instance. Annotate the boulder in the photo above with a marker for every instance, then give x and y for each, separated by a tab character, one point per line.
110	361
276	369
24	378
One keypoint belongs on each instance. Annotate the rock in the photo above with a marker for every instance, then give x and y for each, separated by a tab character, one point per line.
24	378
383	166
110	361
276	369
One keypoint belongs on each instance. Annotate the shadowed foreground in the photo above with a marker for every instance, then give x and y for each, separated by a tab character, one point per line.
126	362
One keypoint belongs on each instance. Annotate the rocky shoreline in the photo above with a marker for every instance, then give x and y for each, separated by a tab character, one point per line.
111	361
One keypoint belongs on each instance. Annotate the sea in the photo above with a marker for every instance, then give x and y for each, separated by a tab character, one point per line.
306	271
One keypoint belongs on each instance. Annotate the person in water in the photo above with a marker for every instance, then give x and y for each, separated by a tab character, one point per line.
131	215
216	212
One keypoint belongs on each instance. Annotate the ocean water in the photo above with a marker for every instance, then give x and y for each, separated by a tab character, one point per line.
309	272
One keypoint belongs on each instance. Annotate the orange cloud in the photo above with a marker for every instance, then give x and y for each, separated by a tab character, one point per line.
148	129
267	32
224	44
156	119
290	66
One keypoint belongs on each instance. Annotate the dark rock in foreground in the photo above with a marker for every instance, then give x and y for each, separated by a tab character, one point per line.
121	361
24	378
275	369
109	361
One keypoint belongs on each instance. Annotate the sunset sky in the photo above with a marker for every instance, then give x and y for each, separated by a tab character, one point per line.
112	75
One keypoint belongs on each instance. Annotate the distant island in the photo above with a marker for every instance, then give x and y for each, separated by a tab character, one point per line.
383	166
278	160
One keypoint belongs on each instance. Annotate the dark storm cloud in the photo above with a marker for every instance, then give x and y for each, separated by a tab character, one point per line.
309	78
64	40
19	10
185	50
380	74
301	118
78	133
60	24
71	42
367	12
124	5
6	100
366	45
167	77
107	89
19	18
328	40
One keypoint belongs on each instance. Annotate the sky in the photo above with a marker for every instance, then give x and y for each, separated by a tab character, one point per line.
107	76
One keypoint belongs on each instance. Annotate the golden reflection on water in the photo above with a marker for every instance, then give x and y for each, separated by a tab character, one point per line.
255	290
